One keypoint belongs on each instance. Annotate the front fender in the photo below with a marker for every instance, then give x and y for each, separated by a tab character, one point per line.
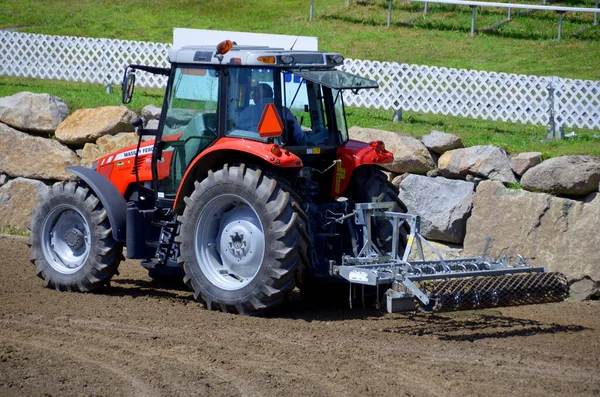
354	154
110	197
233	150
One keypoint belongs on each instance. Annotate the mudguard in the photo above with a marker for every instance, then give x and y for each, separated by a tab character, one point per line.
109	196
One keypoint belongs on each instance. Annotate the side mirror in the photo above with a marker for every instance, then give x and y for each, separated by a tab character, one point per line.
127	88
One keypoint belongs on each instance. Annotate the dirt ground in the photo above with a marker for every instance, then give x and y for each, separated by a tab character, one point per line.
139	339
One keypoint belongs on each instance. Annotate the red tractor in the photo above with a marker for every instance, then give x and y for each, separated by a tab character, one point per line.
250	188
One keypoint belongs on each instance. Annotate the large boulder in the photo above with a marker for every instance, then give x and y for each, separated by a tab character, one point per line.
38	113
410	155
567	175
87	125
524	161
17	198
105	145
443	204
150	112
489	162
440	142
34	157
558	233
448	251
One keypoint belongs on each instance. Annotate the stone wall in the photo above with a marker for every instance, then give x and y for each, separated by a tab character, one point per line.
546	211
39	139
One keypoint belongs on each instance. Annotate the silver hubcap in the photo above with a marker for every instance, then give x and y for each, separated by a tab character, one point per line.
66	239
230	242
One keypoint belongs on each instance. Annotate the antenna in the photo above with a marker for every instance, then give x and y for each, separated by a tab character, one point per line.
297	37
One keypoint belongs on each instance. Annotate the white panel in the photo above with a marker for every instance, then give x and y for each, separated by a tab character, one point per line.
184	37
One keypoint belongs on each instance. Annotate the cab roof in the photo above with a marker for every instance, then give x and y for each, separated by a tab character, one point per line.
256	56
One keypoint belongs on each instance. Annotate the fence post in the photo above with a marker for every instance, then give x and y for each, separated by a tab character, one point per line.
509	11
474	10
425	8
389	22
596	15
561	15
310	15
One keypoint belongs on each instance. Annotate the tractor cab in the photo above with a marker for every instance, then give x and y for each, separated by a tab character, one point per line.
290	99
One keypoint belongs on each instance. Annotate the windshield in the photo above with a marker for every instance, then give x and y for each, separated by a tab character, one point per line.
309	113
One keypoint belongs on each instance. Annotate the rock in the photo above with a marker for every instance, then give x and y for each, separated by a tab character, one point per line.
106	145
443	204
17	198
583	289
567	175
524	161
151	125
3	179
87	125
151	112
441	142
489	162
34	156
557	233
398	179
410	155
38	113
448	251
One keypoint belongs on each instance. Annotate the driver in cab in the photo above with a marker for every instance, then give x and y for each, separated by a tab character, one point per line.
262	94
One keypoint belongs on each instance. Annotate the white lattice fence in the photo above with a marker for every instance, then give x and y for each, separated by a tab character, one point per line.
478	94
79	58
457	92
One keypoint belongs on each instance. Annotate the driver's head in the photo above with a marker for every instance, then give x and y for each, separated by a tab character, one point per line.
262	92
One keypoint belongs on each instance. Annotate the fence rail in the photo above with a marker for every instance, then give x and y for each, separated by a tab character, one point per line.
549	101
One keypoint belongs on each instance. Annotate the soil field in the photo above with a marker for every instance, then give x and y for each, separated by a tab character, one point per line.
137	338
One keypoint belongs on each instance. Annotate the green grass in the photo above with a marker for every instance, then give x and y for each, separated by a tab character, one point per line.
524	46
515	138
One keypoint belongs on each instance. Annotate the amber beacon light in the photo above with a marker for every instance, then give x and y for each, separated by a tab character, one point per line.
224	47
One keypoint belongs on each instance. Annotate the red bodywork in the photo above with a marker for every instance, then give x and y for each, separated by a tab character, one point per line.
354	154
119	166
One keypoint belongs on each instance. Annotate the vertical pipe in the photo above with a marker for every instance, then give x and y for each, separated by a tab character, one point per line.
596	15
425	8
509	11
389	13
348	3
561	14
551	128
312	4
473	9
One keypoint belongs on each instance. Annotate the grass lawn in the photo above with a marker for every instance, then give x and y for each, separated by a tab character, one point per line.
527	45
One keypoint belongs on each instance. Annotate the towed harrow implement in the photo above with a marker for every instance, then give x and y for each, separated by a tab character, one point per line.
442	285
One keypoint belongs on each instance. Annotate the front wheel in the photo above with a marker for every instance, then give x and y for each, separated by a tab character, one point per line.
71	240
238	241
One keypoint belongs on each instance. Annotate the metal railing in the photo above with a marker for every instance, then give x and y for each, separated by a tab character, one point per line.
561	10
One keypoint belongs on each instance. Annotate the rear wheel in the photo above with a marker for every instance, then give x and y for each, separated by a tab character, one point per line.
239	241
71	240
370	185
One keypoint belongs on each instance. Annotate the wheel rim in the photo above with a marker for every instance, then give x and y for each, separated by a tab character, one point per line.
230	242
66	239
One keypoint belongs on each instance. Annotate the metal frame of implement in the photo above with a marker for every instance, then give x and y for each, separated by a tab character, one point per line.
373	268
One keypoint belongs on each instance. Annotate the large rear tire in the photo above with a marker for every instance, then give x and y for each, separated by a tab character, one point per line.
239	241
71	240
370	185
